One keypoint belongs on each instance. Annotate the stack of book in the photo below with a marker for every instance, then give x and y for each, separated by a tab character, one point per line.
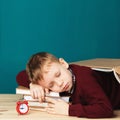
34	103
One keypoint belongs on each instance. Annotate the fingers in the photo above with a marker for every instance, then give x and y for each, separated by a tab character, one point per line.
37	92
51	105
46	91
42	109
50	110
41	96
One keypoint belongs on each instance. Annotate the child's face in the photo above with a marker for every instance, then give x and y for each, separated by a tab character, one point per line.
57	77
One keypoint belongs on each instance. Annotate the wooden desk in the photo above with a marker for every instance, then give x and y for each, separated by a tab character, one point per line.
8	111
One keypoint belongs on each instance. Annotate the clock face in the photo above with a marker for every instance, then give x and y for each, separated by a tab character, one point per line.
22	107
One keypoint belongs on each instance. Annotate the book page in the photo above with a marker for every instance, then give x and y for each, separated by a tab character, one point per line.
117	69
99	63
117	76
103	69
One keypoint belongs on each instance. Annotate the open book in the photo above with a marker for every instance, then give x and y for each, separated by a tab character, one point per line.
103	64
35	102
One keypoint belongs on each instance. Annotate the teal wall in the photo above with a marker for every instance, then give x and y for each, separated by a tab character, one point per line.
72	29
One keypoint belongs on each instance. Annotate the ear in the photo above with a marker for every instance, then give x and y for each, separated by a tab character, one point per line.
63	62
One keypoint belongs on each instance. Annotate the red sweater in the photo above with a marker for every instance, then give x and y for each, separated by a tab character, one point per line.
95	93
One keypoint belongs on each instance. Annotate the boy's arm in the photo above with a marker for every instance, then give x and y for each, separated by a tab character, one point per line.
93	103
22	79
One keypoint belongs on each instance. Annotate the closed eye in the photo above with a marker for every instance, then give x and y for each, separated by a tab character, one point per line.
51	84
57	74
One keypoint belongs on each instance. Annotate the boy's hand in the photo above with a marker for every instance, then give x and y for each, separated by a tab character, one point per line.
57	106
38	92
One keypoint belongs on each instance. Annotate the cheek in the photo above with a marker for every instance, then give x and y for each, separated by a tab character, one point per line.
67	76
56	89
43	84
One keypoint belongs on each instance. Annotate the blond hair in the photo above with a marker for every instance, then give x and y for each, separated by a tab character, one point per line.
34	67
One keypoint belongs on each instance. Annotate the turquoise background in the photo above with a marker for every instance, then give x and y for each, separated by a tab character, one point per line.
72	29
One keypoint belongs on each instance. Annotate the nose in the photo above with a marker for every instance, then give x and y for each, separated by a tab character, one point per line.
59	82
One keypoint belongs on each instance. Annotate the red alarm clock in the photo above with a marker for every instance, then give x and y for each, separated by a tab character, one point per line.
22	107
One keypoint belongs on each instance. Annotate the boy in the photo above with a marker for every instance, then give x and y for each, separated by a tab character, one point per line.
93	94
